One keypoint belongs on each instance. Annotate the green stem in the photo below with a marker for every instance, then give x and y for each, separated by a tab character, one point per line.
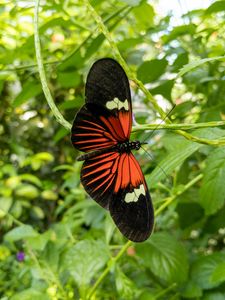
177	126
111	263
42	74
172	198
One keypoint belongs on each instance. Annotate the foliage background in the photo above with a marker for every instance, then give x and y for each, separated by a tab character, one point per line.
55	242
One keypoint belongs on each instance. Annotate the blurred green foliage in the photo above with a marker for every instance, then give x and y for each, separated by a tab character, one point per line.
55	242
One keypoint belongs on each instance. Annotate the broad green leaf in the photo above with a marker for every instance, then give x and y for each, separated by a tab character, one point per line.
218	275
194	64
165	257
144	15
179	31
212	191
29	90
217	6
203	268
151	70
69	79
21	232
84	261
174	159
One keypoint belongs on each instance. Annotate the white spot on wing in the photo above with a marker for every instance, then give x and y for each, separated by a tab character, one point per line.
116	103
134	195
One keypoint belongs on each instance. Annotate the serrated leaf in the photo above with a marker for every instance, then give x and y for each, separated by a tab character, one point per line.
29	90
21	232
194	64
218	275
151	70
212	193
165	256
84	260
203	269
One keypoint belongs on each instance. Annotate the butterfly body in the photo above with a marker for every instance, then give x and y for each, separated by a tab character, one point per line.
111	174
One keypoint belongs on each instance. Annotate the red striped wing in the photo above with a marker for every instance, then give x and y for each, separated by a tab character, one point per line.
95	128
116	182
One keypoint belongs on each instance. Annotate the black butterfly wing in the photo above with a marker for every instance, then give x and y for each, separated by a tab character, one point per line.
116	182
106	118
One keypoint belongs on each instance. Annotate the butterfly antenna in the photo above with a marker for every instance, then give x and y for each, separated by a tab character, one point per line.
152	159
166	116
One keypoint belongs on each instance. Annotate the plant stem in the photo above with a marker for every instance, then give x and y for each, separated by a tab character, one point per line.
42	74
178	126
111	263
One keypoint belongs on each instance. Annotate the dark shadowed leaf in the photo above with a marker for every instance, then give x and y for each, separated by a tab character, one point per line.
151	70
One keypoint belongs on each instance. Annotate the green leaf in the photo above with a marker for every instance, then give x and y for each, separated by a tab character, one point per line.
5	204
27	191
31	178
191	290
61	133
165	256
218	275
84	260
69	79
144	15
124	286
215	7
21	232
30	294
214	296
30	90
182	149
194	64
151	70
180	61
203	268
213	188
178	31
189	213
164	89
132	2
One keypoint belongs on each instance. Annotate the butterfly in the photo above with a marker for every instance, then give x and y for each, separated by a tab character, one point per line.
110	174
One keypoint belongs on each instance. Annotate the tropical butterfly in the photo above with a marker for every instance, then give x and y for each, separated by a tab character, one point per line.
111	174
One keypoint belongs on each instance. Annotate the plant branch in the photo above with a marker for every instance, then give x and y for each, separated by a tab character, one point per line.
59	117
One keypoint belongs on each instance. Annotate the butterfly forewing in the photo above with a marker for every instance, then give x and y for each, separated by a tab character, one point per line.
113	178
